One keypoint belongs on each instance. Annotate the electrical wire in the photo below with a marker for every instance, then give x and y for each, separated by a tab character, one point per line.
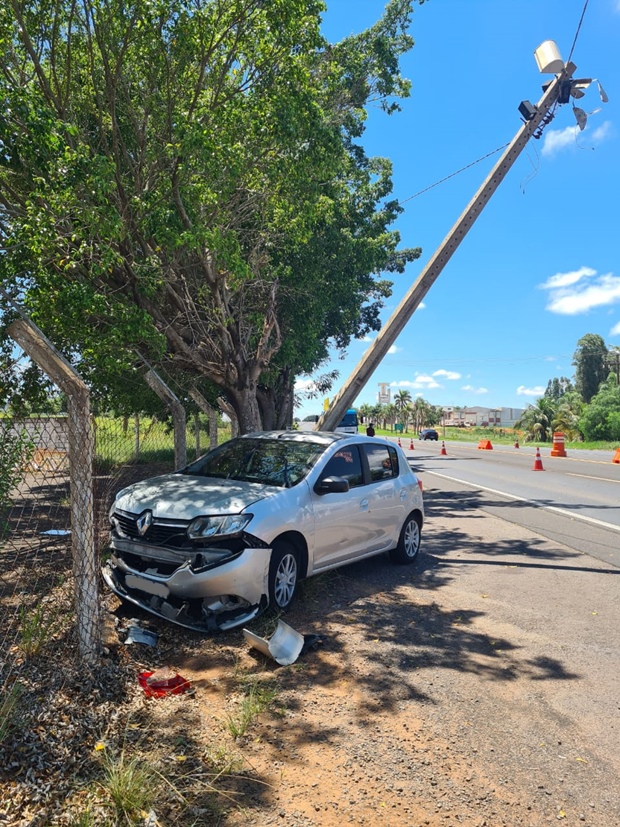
500	148
458	171
572	48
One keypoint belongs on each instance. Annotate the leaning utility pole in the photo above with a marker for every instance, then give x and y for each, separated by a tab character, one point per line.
557	90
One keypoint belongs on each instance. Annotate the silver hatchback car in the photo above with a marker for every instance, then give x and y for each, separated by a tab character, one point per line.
212	545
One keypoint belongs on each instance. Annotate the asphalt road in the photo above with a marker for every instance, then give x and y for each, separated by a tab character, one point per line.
574	500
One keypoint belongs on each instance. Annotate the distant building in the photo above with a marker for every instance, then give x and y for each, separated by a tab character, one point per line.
482	417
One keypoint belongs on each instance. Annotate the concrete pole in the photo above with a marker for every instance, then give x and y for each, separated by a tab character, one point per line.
389	332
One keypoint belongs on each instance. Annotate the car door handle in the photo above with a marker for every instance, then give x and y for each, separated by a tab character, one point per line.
364	505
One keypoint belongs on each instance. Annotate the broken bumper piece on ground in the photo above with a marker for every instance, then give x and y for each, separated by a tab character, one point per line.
284	646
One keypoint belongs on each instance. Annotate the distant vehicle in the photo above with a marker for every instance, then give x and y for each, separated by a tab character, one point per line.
212	545
308	422
349	423
429	433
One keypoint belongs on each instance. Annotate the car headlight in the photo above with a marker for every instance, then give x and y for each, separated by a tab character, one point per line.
113	506
203	528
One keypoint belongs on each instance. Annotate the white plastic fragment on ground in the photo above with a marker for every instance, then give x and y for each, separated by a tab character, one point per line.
284	646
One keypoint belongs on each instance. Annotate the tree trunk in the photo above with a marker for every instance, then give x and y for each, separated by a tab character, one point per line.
267	406
245	404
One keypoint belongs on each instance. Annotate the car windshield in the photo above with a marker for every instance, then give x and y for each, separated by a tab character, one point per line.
349	420
283	463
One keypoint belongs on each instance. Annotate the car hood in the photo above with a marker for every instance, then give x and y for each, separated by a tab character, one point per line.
183	497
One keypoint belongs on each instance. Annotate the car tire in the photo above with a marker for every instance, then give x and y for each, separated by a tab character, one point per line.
283	575
409	541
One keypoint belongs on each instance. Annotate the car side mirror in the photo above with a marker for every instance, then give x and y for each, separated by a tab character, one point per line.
332	485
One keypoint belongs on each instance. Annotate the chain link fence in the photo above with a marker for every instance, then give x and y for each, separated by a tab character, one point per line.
59	474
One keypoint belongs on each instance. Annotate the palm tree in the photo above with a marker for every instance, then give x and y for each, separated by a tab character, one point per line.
537	420
366	412
391	414
567	415
402	401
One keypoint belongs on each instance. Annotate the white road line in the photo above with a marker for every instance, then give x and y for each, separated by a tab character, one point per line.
562	511
588	477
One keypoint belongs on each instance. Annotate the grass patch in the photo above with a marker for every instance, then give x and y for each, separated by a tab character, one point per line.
9	698
258	696
129	787
37	627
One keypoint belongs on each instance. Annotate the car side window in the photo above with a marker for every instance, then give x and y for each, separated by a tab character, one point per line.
345	463
382	461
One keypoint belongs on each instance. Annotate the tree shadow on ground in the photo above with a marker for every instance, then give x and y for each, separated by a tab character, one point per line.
382	646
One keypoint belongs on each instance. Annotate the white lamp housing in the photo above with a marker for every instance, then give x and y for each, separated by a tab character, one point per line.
548	58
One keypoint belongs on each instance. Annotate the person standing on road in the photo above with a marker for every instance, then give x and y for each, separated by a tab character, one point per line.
370	431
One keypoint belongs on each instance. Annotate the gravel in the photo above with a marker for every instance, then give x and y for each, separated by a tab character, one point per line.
427	704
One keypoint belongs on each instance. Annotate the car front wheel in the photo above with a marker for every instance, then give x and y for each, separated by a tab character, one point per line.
283	575
409	541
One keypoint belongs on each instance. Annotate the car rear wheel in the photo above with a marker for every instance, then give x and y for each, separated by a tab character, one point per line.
409	541
283	575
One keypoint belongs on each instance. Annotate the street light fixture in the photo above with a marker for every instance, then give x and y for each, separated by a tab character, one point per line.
548	58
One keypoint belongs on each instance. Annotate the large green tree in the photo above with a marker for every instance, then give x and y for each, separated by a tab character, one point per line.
182	179
600	420
558	387
590	365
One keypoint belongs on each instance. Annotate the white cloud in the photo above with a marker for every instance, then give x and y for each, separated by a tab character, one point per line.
602	132
471	389
537	391
394	349
580	290
447	374
615	331
558	139
305	386
420	381
566	279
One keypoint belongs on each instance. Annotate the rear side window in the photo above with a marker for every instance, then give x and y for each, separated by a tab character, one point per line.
346	463
382	461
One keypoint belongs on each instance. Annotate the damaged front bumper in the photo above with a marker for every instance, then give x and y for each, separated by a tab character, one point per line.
198	596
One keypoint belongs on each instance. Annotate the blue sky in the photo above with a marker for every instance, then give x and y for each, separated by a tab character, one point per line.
540	267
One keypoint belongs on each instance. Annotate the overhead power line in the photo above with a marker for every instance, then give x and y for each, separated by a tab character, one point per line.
458	171
572	48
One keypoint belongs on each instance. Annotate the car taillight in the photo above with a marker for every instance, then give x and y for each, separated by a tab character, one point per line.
420	486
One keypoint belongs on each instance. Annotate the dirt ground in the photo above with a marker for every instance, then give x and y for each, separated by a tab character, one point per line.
477	687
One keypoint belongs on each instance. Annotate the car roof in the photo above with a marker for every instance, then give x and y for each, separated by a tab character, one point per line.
320	437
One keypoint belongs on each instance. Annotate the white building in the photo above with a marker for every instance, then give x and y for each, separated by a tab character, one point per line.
483	417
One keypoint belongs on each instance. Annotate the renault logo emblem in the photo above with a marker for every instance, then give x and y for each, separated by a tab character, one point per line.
144	522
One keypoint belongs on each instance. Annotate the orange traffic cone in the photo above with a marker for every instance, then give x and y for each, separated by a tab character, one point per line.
538	466
411	444
443	451
617	456
516	443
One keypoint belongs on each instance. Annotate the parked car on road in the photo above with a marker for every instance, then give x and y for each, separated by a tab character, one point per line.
212	545
429	433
